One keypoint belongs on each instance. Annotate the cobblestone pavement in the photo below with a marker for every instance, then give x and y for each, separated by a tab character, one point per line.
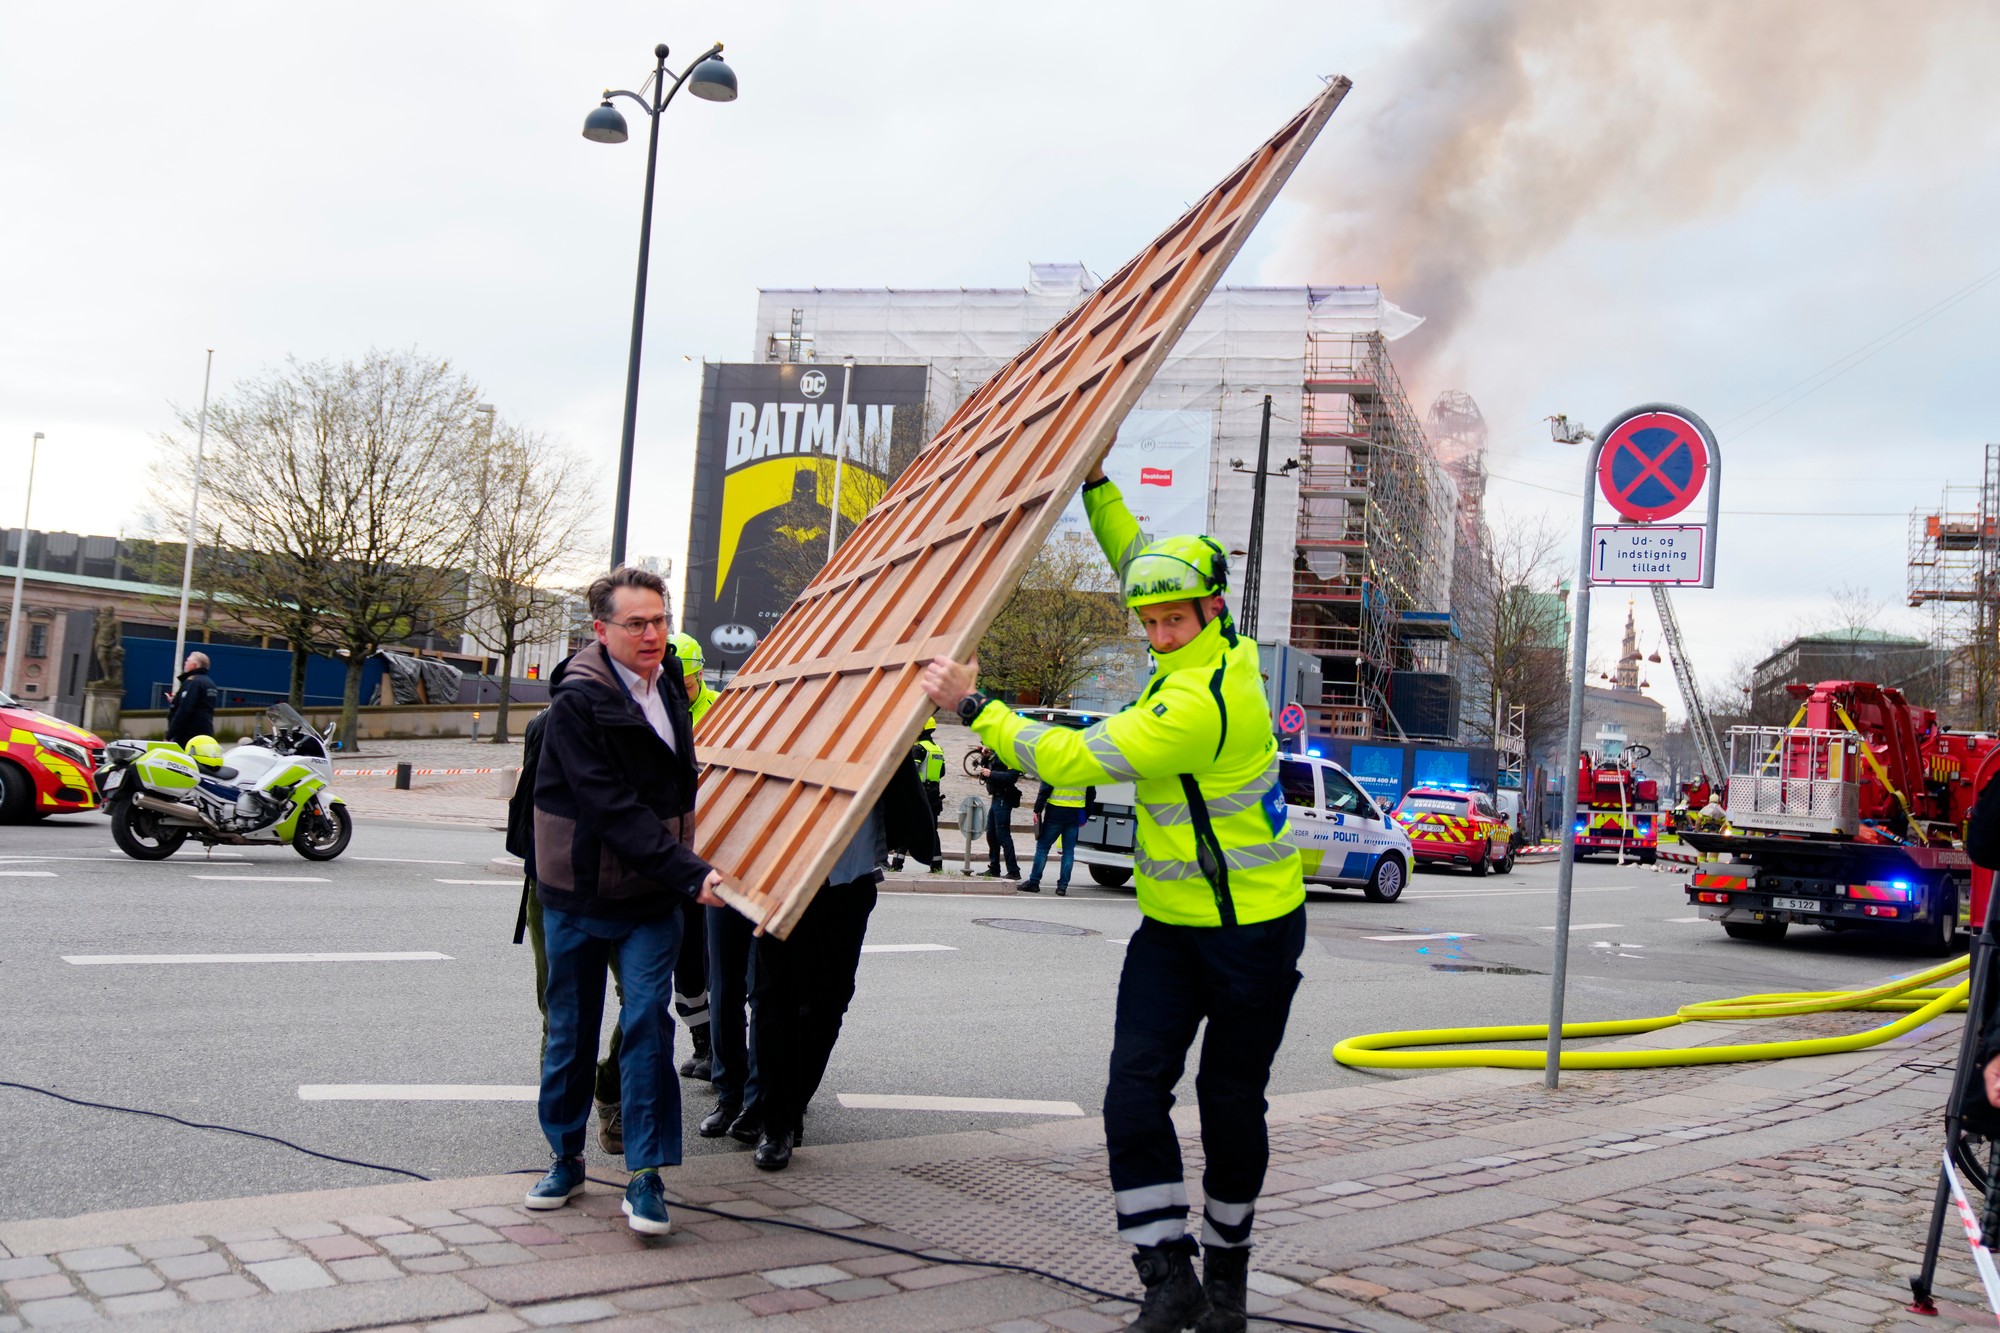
1788	1196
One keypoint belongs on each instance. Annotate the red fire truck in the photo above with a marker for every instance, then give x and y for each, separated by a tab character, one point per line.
1617	805
1851	817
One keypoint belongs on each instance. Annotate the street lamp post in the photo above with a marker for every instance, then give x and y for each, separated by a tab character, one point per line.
20	573
194	517
711	80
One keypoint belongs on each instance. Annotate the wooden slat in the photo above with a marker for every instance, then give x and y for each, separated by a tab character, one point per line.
801	744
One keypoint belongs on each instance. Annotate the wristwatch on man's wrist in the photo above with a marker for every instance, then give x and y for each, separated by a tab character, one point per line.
970	706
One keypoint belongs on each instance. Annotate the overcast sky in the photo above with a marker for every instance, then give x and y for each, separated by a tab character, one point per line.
1681	204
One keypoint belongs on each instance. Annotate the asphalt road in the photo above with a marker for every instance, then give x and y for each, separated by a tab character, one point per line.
1017	1005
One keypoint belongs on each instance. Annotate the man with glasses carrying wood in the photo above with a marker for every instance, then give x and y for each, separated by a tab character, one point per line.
614	817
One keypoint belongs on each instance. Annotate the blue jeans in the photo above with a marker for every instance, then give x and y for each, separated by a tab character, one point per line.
1050	830
733	1042
580	949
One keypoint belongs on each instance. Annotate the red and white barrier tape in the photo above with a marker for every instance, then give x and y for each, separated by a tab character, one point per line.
419	772
1982	1258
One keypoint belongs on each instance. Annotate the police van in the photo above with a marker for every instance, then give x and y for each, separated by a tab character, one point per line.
1344	838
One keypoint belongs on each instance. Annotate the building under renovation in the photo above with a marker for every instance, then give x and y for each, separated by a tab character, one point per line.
1361	517
1954	572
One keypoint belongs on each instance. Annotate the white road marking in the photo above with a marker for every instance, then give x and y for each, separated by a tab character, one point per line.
1589	925
909	948
1440	935
419	1092
29	874
404	861
1108	940
498	883
266	879
869	1101
101	959
1684	920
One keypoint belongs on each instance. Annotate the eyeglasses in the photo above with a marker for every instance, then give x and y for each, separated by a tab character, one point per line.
636	627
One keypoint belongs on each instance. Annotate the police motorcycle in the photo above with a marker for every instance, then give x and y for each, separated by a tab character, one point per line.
270	790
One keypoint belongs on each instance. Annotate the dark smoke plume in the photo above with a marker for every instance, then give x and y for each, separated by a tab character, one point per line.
1505	128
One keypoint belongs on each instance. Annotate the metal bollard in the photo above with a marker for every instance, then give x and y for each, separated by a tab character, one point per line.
475	727
403	775
972	823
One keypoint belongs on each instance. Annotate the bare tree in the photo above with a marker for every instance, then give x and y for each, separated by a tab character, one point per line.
1513	619
1044	638
535	499
263	482
344	495
404	481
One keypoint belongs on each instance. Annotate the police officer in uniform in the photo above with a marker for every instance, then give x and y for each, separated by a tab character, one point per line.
930	769
1223	896
691	969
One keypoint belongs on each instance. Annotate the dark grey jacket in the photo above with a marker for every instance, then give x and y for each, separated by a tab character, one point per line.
193	710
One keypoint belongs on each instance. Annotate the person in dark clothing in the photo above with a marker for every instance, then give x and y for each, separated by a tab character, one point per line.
1982	845
528	925
192	710
614	802
804	983
1003	792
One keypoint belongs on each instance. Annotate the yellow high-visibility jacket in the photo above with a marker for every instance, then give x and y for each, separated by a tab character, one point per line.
700	703
1197	745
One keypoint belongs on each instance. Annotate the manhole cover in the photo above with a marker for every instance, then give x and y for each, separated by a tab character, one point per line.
1503	969
1028	927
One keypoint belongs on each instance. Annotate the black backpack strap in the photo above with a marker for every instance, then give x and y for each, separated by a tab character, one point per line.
521	919
1208	850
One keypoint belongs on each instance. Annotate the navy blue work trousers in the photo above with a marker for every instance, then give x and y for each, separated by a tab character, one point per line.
732	1025
580	949
1241	980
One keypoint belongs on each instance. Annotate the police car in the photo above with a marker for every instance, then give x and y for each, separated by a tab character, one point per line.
1344	838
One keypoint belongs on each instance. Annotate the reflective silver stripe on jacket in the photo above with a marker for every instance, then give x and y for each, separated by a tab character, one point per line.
1131	551
1024	743
1236	858
1173	814
1106	752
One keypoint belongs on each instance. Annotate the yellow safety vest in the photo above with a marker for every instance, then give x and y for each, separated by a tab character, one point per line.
1198	749
933	760
699	704
1074	797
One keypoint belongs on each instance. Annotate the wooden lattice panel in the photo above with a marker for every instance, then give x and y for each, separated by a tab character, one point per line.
801	744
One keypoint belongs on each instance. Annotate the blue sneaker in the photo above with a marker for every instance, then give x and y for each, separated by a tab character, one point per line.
646	1204
563	1183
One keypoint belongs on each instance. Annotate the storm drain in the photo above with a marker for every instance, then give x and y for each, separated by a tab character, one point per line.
1031	927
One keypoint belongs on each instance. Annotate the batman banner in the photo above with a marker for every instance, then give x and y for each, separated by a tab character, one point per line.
776	441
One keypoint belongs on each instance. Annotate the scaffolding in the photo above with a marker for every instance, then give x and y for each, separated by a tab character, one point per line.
1371	583
1954	570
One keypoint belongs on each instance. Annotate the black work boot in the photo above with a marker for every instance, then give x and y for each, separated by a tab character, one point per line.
1225	1273
1174	1299
699	1064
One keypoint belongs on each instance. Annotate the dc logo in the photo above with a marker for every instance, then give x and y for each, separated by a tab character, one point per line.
734	638
813	383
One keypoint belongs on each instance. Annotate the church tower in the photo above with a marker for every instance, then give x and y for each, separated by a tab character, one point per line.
1628	655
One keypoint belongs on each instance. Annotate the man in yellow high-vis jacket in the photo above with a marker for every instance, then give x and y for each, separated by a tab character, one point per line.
1223	895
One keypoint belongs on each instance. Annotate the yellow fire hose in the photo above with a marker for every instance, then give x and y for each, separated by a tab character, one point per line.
1917	996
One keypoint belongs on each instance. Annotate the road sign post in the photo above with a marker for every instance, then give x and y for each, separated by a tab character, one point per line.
1649	463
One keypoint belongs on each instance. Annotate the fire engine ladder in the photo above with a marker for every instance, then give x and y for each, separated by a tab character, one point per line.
1698	721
